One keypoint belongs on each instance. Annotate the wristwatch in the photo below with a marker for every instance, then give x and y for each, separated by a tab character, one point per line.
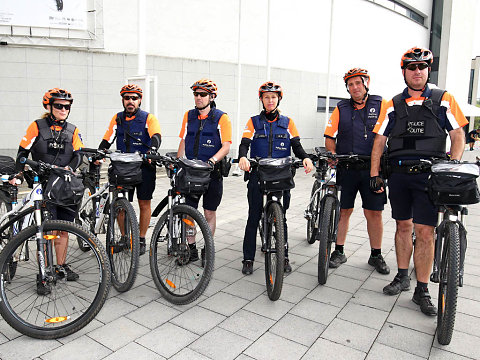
214	159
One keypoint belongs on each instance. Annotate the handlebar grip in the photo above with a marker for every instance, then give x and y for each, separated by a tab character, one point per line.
153	156
89	150
33	163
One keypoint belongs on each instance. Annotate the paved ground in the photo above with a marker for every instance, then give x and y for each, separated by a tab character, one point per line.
348	318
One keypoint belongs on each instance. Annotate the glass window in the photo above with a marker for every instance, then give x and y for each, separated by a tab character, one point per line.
322	100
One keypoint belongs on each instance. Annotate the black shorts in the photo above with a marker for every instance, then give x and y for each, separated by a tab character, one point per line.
353	181
211	198
58	212
146	188
409	198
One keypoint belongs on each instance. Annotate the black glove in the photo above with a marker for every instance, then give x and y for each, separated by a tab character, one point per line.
376	183
152	151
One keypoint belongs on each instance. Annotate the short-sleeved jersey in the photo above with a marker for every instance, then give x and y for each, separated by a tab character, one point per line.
224	127
450	116
152	125
32	133
249	130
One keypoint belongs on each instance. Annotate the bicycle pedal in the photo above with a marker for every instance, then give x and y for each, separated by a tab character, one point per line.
435	278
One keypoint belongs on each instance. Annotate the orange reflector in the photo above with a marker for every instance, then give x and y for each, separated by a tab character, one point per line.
171	284
50	237
57	319
271	279
188	222
443	302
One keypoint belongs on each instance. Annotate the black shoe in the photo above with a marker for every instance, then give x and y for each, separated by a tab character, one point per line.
422	297
336	259
379	264
42	287
287	267
143	246
64	270
398	285
247	267
193	255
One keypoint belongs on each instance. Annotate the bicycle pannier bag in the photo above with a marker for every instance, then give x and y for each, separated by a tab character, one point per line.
64	188
125	169
454	184
193	176
276	174
7	165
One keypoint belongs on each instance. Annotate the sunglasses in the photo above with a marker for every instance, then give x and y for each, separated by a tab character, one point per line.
202	94
128	97
62	106
413	67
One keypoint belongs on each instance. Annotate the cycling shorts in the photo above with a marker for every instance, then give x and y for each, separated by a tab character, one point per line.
354	181
66	213
146	188
409	198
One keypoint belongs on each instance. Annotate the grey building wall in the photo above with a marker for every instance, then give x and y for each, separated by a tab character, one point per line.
95	78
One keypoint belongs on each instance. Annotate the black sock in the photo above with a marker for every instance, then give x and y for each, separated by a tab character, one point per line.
142	240
375	252
402	272
192	246
422	285
339	248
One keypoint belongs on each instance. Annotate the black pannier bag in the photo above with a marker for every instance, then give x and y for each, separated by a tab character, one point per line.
64	188
193	176
124	169
454	184
7	165
276	174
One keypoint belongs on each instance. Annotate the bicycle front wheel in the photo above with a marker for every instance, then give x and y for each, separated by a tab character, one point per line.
326	227
448	285
313	209
86	217
123	244
182	255
64	303
275	251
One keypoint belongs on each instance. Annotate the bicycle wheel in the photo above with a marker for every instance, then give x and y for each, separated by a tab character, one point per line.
5	206
326	227
69	305
179	273
313	209
123	244
448	285
86	217
275	252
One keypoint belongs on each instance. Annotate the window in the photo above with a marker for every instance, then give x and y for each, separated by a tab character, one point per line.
322	100
402	9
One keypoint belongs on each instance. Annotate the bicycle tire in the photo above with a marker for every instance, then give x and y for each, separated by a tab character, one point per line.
326	226
71	304
179	280
448	285
314	210
275	251
87	216
5	206
123	250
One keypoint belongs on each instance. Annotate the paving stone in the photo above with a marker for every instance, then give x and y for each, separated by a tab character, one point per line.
298	329
153	315
382	352
413	319
227	274
271	346
245	289
349	334
374	299
24	347
141	295
342	283
467	324
408	340
215	286
132	351
247	324
440	354
461	344
310	268
302	280
324	349
81	348
315	311
469	307
374	284
167	339
363	315
293	294
220	344
352	272
198	320
118	333
188	354
330	296
113	309
262	305
223	303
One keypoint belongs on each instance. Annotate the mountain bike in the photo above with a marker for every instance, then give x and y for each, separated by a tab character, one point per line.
323	209
39	254
179	273
105	209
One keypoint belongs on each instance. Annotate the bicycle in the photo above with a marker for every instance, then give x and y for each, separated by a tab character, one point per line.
275	176
68	305
180	275
323	210
108	205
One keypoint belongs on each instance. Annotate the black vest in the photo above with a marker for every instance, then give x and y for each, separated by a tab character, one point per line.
416	131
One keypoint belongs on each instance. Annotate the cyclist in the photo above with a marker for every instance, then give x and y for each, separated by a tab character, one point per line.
136	130
206	135
349	131
472	136
415	123
53	140
270	135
